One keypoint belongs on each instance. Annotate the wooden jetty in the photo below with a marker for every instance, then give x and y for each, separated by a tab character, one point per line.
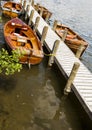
64	58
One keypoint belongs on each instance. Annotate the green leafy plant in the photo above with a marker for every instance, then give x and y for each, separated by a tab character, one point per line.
9	64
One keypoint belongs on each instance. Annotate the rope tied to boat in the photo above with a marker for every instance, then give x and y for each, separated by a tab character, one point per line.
50	54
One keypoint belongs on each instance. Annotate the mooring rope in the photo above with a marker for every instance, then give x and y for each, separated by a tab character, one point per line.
51	54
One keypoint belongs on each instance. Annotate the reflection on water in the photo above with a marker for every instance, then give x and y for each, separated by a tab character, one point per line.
31	99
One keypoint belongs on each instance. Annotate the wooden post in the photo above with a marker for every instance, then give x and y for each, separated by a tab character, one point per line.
27	11
54	51
24	6
79	51
41	12
36	23
31	17
64	34
21	1
37	6
55	25
32	2
44	33
71	78
47	17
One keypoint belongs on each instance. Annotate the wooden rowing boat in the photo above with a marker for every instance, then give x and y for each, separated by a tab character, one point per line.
19	35
72	40
44	10
11	9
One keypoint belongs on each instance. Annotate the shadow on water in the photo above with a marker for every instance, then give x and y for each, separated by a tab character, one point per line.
7	84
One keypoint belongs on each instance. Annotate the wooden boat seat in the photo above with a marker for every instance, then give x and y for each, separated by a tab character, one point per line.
68	36
8	6
13	24
37	53
19	25
71	36
22	39
23	50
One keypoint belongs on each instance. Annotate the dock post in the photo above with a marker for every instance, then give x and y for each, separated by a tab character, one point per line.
21	1
41	12
54	51
27	11
44	33
55	25
24	6
32	2
47	17
64	34
36	23
79	51
31	17
71	78
37	7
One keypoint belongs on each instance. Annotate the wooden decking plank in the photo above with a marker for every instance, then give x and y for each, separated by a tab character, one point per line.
87	96
81	84
90	103
83	81
85	91
84	88
89	100
85	77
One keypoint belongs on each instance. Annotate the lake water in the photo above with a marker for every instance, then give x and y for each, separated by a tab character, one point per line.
33	99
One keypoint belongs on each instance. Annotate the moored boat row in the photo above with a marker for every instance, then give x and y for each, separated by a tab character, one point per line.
19	35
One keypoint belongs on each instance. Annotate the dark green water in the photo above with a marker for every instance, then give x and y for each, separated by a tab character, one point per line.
33	99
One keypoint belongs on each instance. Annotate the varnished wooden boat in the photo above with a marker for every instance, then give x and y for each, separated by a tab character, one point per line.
72	40
11	9
46	12
19	35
